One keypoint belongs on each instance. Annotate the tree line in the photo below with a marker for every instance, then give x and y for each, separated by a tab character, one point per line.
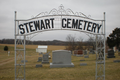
54	42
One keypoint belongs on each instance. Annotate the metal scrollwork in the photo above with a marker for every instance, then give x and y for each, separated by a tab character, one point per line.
89	16
62	11
41	14
69	11
53	11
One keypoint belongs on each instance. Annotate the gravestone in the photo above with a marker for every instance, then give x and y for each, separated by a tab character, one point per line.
83	64
75	52
40	53
38	65
23	61
39	59
92	51
82	60
116	61
86	56
8	53
85	52
45	59
61	58
79	53
111	54
119	51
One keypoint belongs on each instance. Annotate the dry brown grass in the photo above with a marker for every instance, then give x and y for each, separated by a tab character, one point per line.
46	73
50	47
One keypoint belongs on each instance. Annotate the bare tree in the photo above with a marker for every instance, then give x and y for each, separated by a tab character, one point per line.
92	42
80	43
71	42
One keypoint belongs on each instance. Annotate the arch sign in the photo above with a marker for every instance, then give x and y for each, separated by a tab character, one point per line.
66	23
61	19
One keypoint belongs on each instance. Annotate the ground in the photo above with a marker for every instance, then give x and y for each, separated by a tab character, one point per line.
7	71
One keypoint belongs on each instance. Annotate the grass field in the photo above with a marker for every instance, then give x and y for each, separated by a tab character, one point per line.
7	71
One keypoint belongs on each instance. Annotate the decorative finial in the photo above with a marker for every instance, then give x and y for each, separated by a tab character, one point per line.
61	7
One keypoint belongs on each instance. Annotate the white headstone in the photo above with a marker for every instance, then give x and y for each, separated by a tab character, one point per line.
8	53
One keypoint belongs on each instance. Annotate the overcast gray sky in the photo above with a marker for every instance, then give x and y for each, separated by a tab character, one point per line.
28	8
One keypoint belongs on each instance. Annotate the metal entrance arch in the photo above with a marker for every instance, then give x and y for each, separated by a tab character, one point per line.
59	15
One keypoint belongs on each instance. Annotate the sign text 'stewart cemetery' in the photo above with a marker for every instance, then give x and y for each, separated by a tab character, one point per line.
66	23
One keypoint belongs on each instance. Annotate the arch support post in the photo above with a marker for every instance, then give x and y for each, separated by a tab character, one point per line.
20	52
100	54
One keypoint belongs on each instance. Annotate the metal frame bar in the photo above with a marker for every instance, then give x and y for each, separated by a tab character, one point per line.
24	54
15	42
57	15
104	42
58	29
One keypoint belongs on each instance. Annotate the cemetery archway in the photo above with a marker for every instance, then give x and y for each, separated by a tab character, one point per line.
60	19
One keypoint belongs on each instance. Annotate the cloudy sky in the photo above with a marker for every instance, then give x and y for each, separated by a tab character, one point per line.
28	8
